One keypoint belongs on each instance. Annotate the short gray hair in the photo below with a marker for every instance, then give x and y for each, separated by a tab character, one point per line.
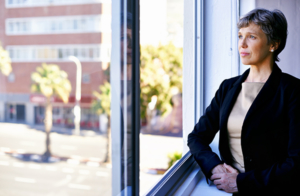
272	23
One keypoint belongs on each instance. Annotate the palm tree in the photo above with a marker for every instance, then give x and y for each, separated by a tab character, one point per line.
102	106
5	62
49	80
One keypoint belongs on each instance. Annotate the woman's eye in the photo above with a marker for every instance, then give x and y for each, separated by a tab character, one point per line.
252	37
240	37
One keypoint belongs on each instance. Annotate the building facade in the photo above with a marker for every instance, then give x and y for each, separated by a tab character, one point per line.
40	31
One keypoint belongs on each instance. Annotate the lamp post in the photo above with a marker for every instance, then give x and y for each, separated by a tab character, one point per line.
77	94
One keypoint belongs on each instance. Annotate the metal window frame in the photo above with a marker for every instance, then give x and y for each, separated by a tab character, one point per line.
136	96
174	181
116	116
193	66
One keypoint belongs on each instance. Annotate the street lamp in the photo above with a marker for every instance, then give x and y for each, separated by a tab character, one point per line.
77	94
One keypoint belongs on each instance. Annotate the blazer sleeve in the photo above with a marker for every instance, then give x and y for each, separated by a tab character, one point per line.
203	134
281	178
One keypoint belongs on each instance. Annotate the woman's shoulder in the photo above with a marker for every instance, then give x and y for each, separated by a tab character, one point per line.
290	85
229	81
289	80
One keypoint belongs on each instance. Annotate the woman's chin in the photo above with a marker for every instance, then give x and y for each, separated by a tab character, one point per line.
245	62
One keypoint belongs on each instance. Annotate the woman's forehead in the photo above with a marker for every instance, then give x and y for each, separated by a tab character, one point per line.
251	28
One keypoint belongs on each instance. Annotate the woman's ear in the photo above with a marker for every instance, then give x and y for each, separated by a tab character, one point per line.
274	46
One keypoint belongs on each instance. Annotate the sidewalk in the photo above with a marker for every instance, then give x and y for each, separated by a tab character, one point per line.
67	131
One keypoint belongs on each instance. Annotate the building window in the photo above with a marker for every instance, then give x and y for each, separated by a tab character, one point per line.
57	24
42	53
11	77
85	78
37	3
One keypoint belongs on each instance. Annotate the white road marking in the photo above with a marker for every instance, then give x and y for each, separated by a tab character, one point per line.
94	159
66	147
73	161
28	143
18	164
5	149
27	180
68	170
79	186
20	151
76	157
80	179
35	166
84	172
103	174
5	163
51	168
92	164
63	181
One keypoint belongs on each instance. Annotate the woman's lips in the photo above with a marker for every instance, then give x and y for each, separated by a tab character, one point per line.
244	54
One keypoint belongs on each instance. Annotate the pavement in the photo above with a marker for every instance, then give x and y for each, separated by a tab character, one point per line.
76	167
19	178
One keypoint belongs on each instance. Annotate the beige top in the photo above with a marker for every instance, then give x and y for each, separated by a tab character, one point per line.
236	119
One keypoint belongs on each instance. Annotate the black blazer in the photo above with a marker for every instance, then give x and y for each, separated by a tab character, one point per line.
270	136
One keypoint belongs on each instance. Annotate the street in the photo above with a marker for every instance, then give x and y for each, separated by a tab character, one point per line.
78	174
76	168
19	178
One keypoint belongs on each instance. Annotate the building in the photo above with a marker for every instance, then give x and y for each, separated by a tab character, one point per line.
40	31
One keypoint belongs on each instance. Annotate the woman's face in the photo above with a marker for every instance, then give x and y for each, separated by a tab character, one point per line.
253	46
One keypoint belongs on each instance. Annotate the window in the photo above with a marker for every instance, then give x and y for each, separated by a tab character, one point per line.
11	77
34	3
85	78
85	52
57	25
75	163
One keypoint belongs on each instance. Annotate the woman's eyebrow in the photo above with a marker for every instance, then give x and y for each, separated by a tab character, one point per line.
249	32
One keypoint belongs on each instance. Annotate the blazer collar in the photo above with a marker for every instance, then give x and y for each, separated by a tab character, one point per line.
272	81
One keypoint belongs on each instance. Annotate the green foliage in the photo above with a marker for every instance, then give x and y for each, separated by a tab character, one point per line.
5	62
161	75
50	80
102	104
173	158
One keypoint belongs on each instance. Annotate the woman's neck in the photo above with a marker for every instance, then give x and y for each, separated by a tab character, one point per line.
259	73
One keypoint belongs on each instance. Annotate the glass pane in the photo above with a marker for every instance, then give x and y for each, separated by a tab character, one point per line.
54	118
161	38
125	98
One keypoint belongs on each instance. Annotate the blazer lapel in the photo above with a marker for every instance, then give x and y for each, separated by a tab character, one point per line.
230	99
266	93
225	110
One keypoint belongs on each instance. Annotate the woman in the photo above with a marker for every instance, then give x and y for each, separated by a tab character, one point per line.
258	115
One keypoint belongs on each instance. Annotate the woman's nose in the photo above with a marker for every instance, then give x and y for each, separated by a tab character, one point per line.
243	43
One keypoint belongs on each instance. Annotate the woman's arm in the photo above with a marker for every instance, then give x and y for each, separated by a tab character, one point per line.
203	134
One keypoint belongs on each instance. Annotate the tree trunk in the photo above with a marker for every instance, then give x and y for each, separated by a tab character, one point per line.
108	145
48	127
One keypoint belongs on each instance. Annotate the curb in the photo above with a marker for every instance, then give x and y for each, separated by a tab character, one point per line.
72	160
